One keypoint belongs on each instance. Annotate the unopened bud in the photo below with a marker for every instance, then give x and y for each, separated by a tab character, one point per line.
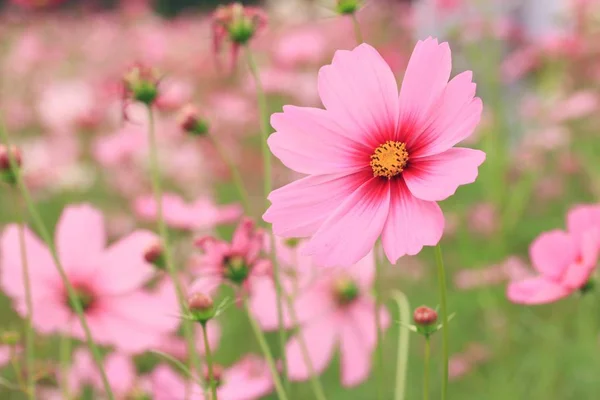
7	173
10	338
347	7
201	307
190	121
141	83
155	255
425	316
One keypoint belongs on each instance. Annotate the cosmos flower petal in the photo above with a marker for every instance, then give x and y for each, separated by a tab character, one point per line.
309	141
581	218
80	236
552	253
578	273
355	355
320	337
537	290
437	177
352	229
411	224
299	209
359	90
426	77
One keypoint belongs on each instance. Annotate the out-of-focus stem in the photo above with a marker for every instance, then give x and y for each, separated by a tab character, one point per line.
262	342
268	186
47	238
379	370
64	348
403	340
426	358
209	363
444	311
357	30
188	328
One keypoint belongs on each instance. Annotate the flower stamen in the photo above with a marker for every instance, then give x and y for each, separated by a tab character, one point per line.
389	159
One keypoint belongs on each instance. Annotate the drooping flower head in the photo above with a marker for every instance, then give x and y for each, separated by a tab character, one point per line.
237	263
565	261
377	160
237	23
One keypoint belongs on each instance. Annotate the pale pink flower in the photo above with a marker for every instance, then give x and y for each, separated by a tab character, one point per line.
511	269
108	281
121	146
377	162
578	105
177	346
337	311
201	214
564	260
301	47
173	94
238	263
461	364
63	106
5	355
483	219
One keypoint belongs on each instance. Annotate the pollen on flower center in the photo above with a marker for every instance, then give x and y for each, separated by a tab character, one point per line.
389	159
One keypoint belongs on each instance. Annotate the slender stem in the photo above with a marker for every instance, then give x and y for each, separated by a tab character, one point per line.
380	370
262	342
29	334
357	31
14	361
403	340
314	378
268	186
47	238
65	360
426	358
444	310
235	172
188	328
209	363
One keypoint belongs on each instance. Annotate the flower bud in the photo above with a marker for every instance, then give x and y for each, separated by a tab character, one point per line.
154	254
347	7
141	84
425	316
10	338
189	120
238	22
6	171
201	307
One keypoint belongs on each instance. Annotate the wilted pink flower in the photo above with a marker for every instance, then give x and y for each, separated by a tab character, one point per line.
337	311
377	162
202	214
237	263
564	260
117	308
249	379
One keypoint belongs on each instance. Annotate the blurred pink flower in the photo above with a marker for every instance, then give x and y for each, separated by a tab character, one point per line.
483	219
302	47
177	347
64	106
249	379
377	163
564	260
511	269
577	105
37	3
173	94
238	263
461	364
117	308
201	214
337	310
4	355
120	146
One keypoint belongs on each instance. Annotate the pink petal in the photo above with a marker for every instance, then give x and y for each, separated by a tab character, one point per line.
360	90
581	218
355	355
411	224
363	271
552	252
168	385
437	177
300	208
426	77
124	268
249	379
121	373
263	303
50	313
452	118
80	238
535	291
308	140
319	337
578	273
351	231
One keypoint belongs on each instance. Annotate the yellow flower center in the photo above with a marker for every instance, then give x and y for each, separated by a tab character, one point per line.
389	159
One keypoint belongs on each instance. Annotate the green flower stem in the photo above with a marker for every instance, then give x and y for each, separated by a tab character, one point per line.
29	334
262	342
426	359
403	341
209	362
379	369
188	328
268	186
444	311
14	361
357	30
47	238
235	173
64	349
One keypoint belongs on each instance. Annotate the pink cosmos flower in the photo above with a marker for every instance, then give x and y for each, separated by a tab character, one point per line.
108	281
177	347
249	379
238	263
202	214
377	162
337	311
564	260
